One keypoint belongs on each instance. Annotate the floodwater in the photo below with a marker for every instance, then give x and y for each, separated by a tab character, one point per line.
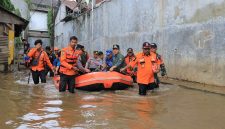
24	106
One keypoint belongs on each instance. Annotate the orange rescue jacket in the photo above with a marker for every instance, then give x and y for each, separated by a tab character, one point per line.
146	67
43	59
68	60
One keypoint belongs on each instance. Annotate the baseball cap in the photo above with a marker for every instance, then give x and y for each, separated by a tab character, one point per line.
100	53
116	46
129	50
108	52
95	52
153	45
146	45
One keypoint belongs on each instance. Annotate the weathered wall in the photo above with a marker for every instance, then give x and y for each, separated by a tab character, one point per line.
63	30
38	21
190	33
38	28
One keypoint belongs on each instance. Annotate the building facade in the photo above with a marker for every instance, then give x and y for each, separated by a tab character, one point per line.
11	26
38	28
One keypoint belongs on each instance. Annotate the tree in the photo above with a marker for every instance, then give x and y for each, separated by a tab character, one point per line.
7	5
50	24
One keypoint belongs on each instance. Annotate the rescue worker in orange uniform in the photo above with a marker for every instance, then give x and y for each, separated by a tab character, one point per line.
147	65
162	65
68	66
128	58
38	60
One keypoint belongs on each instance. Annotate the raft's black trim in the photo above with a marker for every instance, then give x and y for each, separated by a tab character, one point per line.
93	87
119	86
100	86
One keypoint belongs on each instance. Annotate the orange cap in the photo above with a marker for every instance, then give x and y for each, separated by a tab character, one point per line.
56	49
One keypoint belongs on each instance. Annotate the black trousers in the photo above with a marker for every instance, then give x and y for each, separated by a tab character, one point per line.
144	87
38	74
134	79
67	80
47	69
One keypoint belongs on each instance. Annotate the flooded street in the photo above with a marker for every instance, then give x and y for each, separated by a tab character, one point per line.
42	106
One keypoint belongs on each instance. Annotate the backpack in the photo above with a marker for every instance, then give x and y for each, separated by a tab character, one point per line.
34	62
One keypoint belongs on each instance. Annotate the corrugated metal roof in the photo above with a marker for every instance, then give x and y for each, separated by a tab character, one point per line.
45	2
70	4
13	16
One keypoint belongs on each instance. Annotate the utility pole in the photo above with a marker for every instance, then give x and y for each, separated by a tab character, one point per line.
53	26
92	20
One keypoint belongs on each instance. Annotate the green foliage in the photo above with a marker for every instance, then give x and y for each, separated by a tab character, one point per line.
18	42
28	3
50	23
17	12
7	5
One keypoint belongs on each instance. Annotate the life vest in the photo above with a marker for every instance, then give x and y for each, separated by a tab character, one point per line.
146	67
154	63
41	57
68	60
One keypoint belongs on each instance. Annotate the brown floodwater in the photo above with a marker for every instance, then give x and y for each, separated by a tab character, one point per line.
26	106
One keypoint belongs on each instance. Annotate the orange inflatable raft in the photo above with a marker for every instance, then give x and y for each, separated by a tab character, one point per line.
100	81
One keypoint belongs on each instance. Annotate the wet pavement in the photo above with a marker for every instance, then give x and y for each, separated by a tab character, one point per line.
171	107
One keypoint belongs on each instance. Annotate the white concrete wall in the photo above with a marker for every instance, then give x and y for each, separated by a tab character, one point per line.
38	21
63	30
190	33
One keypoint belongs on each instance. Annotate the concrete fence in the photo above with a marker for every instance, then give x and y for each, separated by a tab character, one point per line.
190	33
